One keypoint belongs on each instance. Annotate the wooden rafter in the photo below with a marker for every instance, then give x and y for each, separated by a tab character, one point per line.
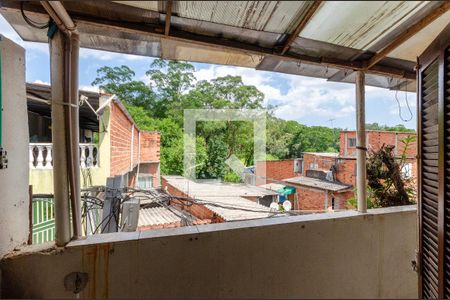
303	22
168	16
411	31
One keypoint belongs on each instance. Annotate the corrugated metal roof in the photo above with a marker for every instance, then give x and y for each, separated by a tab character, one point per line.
271	16
318	183
157	216
231	196
232	208
273	186
216	189
359	24
233	32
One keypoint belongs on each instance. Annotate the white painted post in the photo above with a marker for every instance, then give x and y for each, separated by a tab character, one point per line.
50	156
40	157
90	158
31	156
83	162
361	142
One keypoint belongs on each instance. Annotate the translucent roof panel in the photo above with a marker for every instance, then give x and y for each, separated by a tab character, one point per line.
357	24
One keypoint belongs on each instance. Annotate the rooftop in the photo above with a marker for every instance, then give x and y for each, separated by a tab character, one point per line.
158	217
318	183
226	200
215	188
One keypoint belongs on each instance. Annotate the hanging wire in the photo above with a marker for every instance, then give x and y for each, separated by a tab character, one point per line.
407	104
31	22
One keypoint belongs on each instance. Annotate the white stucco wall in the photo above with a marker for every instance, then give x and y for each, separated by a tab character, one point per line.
333	255
14	180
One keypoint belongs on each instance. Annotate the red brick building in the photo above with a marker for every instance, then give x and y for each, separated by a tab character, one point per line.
316	173
277	170
133	152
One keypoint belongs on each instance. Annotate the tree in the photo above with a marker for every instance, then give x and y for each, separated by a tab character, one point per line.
398	127
120	81
170	80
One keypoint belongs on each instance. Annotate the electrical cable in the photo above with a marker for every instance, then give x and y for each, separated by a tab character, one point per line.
31	22
407	105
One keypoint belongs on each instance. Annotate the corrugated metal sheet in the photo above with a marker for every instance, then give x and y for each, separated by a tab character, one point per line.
419	42
359	24
271	16
317	183
156	216
236	208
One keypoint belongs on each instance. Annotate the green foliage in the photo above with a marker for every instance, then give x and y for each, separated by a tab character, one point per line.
172	87
370	200
399	127
119	81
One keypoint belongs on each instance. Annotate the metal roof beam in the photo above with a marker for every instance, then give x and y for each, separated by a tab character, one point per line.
168	17
303	22
157	31
411	31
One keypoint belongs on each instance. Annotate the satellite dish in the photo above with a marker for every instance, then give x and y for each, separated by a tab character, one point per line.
274	206
287	205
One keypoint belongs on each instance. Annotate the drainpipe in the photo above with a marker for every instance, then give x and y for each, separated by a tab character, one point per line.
71	116
361	142
60	175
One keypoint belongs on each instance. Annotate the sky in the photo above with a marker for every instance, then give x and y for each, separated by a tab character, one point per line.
310	101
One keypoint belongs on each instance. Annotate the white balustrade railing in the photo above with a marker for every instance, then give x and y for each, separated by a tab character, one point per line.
41	155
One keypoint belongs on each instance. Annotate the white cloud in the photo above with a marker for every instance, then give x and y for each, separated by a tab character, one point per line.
304	97
89	88
41	82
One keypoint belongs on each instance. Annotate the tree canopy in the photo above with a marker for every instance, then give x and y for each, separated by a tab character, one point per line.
172	87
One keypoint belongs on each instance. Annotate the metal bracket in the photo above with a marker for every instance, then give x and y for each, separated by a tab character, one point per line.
3	159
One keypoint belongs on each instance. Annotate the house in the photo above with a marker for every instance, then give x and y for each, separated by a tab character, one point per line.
111	143
326	180
367	253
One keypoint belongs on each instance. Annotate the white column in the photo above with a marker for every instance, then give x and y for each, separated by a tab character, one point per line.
90	158
361	142
31	156
40	157
83	162
48	157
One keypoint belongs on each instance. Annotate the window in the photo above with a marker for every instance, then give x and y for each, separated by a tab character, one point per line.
352	142
313	166
332	203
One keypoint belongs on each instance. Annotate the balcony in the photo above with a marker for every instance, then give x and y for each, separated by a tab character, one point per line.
332	255
41	156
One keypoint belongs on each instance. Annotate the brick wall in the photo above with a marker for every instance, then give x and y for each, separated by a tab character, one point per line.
323	163
376	139
150	146
202	213
120	131
274	170
314	199
346	171
125	144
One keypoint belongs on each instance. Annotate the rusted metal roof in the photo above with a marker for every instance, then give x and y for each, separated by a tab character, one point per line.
337	38
318	183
